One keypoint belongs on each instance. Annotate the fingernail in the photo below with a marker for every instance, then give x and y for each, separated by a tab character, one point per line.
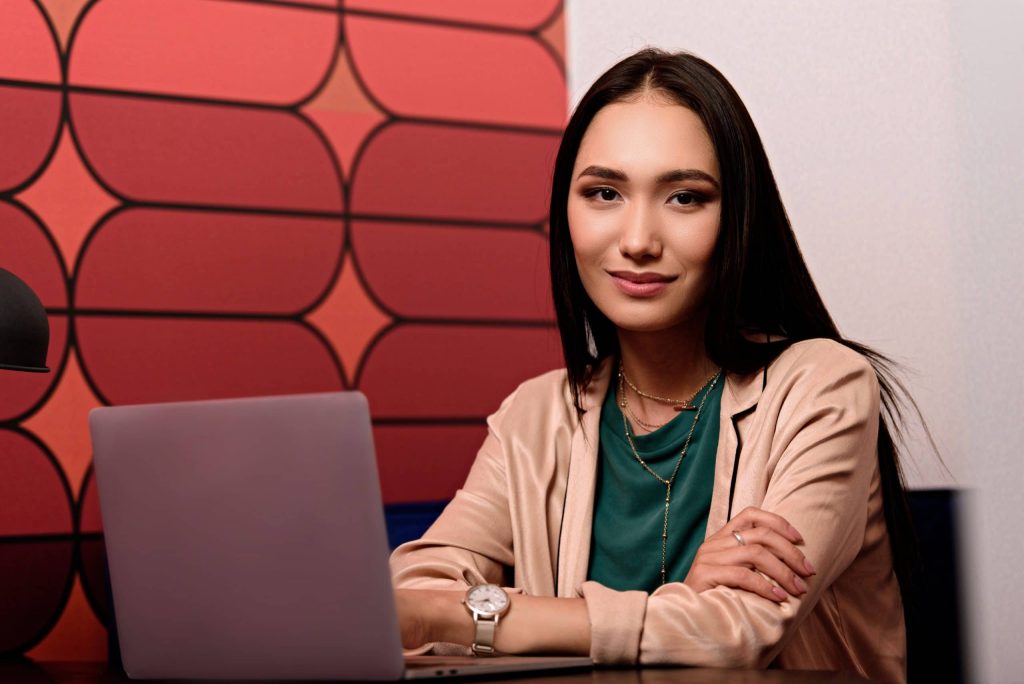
796	533
800	584
810	568
779	594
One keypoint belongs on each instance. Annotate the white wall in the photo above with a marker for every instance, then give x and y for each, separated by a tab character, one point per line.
896	131
990	77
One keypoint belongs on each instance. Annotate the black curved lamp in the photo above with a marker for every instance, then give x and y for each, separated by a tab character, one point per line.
24	328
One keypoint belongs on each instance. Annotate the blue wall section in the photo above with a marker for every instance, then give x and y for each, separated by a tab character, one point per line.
409	521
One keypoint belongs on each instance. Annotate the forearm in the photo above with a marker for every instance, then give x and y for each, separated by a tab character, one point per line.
533	624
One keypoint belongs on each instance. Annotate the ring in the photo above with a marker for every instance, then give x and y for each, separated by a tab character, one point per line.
739	538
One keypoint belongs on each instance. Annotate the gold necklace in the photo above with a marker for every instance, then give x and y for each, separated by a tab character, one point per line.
624	405
682	454
677	404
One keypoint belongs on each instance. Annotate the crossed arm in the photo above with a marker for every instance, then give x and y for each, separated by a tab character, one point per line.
537	624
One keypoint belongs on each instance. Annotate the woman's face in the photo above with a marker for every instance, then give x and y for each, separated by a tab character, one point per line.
644	207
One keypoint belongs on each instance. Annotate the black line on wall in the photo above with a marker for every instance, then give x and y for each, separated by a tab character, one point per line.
50	153
431	421
40	537
255	317
29	85
343	190
71	538
180	98
393	16
369	349
90	236
548	47
59	364
56	373
85	369
331	351
99	608
86	163
357	74
332	280
546	22
365	282
451	222
327	73
339	174
244	316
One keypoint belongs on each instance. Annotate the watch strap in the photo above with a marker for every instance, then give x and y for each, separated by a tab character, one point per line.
483	642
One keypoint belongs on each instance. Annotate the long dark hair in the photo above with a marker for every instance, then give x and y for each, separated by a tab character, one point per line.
760	283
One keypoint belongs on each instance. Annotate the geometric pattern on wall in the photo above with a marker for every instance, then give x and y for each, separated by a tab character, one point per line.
235	197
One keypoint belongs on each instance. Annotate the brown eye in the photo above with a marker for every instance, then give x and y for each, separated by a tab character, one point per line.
686	199
602	194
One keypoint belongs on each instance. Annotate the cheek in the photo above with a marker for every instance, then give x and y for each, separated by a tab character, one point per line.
699	249
585	236
705	250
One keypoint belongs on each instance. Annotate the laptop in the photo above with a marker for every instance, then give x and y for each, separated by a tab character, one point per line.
246	540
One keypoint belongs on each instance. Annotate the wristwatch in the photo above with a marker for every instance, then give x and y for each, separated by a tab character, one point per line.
486	603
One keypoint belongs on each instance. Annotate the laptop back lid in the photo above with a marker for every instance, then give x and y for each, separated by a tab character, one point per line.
246	538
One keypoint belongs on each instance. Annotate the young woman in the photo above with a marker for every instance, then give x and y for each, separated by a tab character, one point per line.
710	481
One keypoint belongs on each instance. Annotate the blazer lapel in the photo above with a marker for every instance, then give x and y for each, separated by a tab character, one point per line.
739	399
578	517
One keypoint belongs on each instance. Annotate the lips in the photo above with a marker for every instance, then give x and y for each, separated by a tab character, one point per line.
645	277
646	284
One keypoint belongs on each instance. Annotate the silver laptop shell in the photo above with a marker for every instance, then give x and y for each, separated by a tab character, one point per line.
229	555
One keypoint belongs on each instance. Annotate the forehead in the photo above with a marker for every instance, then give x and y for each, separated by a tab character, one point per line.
646	137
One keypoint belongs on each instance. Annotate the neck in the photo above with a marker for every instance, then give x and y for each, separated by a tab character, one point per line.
669	363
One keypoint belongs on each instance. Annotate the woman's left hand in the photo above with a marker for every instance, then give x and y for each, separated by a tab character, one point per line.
750	549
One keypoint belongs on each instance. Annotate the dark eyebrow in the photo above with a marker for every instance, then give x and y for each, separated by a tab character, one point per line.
603	172
685	175
674	176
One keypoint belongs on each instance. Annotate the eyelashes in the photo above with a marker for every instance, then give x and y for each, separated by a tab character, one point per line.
683	198
601	193
692	198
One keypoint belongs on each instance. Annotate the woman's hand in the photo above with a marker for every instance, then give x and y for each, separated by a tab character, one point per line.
768	546
410	621
426	615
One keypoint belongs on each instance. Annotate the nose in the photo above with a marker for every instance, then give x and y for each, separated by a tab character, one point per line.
640	234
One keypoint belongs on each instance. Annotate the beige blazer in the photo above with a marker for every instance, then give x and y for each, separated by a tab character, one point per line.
807	450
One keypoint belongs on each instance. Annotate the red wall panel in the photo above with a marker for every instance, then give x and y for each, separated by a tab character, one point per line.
231	197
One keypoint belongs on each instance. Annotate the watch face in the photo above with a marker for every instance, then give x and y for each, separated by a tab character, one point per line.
487	599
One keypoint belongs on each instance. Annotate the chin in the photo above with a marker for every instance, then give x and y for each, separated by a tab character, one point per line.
642	324
637	318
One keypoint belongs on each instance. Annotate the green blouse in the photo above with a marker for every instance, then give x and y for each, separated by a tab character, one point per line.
629	503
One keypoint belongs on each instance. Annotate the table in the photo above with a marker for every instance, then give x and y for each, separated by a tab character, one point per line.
29	672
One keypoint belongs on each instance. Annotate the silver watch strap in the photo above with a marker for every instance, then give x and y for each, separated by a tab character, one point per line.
483	643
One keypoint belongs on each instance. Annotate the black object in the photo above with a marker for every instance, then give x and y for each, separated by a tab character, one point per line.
24	328
933	608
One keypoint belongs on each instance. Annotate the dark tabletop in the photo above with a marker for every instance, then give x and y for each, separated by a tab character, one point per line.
28	671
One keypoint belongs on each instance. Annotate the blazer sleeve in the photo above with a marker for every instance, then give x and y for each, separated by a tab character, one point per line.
471	541
823	453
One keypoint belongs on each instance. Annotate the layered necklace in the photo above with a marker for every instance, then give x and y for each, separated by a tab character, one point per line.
677	404
685	405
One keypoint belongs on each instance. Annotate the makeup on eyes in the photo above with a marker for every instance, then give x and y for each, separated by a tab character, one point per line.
697	196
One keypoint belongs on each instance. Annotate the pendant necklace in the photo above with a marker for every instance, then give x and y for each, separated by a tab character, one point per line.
710	385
